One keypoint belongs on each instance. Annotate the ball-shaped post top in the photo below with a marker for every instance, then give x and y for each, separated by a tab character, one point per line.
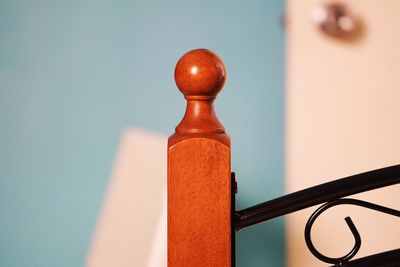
200	73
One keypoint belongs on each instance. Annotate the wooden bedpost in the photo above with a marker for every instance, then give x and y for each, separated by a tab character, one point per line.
199	169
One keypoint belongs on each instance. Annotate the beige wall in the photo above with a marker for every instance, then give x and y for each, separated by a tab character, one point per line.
131	229
343	117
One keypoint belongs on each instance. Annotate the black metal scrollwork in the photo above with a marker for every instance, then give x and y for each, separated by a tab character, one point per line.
341	261
332	194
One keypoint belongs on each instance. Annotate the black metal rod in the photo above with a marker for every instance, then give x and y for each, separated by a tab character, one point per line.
384	259
316	195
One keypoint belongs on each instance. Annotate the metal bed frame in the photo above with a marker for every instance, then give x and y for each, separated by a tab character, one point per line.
202	219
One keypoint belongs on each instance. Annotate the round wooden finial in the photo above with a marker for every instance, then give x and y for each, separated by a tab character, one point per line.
200	72
200	76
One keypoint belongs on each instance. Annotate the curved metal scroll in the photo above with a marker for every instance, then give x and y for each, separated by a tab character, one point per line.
331	193
344	201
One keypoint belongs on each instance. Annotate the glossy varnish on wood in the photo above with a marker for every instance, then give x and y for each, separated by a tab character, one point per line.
199	185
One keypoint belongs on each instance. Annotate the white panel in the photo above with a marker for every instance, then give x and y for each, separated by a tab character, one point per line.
343	110
132	215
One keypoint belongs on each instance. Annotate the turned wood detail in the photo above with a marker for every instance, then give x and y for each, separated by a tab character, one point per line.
199	159
200	76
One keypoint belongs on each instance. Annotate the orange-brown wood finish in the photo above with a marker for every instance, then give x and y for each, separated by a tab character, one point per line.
199	184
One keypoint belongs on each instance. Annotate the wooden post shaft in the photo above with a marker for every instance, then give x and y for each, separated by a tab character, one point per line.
199	183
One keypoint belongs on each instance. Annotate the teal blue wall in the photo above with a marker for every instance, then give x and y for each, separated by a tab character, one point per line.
74	74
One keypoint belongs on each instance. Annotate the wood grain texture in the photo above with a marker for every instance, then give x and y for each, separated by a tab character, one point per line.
199	204
199	183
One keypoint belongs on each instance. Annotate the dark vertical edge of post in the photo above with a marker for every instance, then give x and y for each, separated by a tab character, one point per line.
233	211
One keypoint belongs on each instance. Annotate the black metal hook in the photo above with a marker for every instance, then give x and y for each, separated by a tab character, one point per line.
344	201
